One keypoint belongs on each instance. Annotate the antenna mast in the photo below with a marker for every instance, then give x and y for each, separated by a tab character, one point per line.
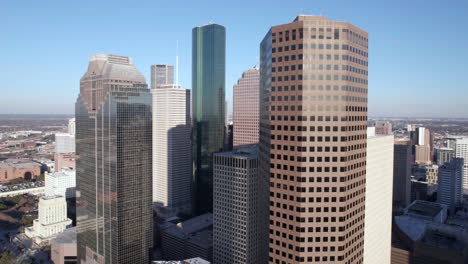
177	63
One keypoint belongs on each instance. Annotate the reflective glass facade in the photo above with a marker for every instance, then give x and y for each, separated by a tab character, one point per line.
208	108
113	167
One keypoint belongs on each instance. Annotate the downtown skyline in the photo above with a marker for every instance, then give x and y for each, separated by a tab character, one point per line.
404	70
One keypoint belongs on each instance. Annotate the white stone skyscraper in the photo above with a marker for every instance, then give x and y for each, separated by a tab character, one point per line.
172	149
240	234
462	152
378	204
161	74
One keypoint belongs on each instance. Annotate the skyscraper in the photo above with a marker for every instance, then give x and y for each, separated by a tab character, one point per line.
208	101
313	126
172	156
240	232
402	175
113	173
379	181
246	108
450	190
161	74
462	152
444	155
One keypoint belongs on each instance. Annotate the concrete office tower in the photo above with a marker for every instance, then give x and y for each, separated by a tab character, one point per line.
450	190
432	174
422	154
208	100
113	166
240	232
401	175
383	128
379	188
172	150
462	152
72	127
313	125
61	183
64	143
161	74
444	155
64	156
246	108
52	219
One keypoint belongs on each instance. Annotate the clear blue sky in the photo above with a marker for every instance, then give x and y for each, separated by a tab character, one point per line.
417	56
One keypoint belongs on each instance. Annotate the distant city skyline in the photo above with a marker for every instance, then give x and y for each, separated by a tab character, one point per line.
49	44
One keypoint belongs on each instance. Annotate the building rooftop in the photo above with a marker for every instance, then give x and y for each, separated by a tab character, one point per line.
187	261
247	152
197	230
19	164
66	237
422	208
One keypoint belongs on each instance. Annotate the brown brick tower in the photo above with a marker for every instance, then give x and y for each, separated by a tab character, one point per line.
313	125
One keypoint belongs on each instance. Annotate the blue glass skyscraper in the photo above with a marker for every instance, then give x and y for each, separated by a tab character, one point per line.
208	108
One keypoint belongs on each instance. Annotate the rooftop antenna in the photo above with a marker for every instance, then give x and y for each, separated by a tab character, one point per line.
177	63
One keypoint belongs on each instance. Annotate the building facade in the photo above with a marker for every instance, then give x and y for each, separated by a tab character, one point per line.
313	126
161	74
61	183
246	108
172	156
444	155
450	189
402	175
63	247
113	165
462	152
379	181
16	168
240	235
52	219
422	154
208	107
64	143
189	239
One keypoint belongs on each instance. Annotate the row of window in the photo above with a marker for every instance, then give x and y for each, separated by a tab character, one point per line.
319	77
320	47
319	149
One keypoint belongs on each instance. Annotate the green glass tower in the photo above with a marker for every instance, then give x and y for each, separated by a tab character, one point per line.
208	108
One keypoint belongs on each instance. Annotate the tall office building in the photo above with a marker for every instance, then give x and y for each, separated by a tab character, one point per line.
462	152
246	108
240	232
313	125
444	155
113	165
379	182
208	106
172	159
402	175
71	127
383	128
450	190
161	74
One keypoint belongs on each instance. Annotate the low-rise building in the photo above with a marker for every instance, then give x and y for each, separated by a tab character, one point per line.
63	247
188	239
16	168
424	236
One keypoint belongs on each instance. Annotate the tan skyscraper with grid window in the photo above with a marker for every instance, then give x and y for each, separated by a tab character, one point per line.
246	116
313	126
